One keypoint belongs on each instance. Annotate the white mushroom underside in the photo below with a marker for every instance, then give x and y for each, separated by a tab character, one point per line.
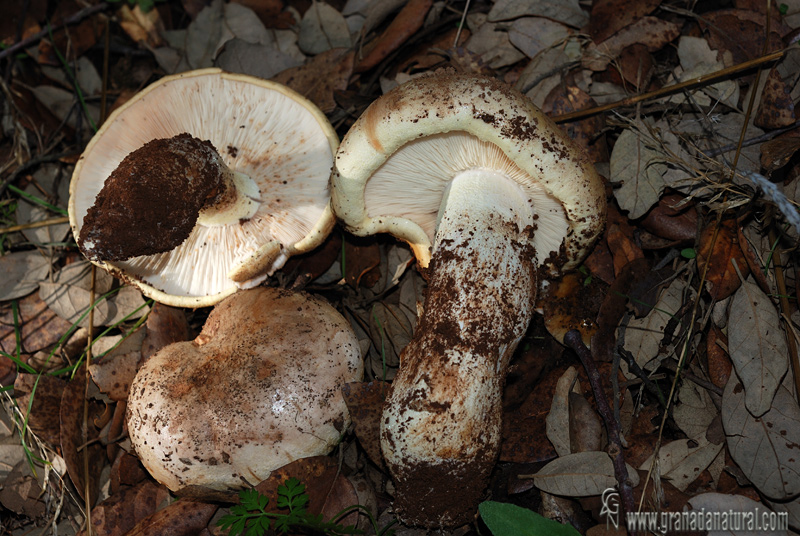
413	180
287	154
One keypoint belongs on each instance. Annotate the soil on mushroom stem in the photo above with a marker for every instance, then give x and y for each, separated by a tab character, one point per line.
150	202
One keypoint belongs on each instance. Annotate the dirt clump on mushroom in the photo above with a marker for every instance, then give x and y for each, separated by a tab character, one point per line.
151	201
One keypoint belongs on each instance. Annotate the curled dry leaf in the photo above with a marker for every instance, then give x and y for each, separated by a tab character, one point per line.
78	439
643	336
164	326
582	474
719	362
122	511
323	27
610	16
681	463
652	32
405	24
46	390
23	271
672	219
765	447
569	12
695	411
640	168
321	77
558	417
365	403
757	346
718	251
183	517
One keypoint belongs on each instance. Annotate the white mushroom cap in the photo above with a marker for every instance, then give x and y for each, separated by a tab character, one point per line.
394	164
259	388
263	131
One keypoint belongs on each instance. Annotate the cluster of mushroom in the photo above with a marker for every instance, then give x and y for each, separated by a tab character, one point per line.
491	197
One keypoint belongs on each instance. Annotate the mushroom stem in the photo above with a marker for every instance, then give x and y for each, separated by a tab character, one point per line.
151	202
440	432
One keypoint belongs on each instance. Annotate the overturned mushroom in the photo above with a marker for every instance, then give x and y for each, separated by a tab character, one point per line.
489	193
203	183
259	388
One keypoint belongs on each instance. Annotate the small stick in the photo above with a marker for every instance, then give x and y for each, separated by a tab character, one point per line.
574	341
676	88
34	225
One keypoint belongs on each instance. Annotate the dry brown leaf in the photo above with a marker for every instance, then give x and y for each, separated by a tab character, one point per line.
757	346
184	517
164	326
739	32
722	280
666	221
586	430
581	474
651	32
405	24
765	448
23	270
610	16
777	152
121	512
114	371
719	362
44	418
323	27
776	109
78	439
681	463
365	402
321	77
558	429
565	98
21	492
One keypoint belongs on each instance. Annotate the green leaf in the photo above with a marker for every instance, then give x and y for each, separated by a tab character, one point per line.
505	519
688	253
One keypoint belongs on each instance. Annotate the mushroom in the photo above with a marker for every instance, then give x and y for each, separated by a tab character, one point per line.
203	183
259	388
489	194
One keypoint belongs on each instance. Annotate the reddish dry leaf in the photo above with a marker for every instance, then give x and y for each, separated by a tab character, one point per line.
365	403
651	32
673	224
44	418
78	439
40	328
524	435
114	373
569	304
776	153
564	99
164	326
610	16
10	21
776	109
126	470
614	306
184	517
622	245
740	32
636	65
121	512
321	476
321	77
404	25
315	263
600	262
71	41
362	261
719	362
721	277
